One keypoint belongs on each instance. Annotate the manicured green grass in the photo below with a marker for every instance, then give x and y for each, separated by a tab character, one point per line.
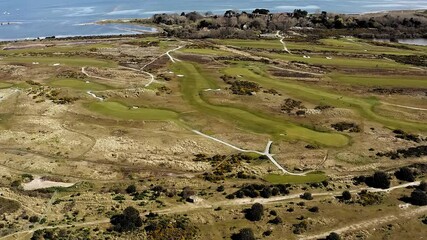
314	177
260	44
68	61
121	111
376	80
205	51
5	85
343	45
78	84
339	61
364	106
194	81
56	49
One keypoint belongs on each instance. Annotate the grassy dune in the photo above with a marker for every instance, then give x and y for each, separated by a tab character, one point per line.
121	111
194	81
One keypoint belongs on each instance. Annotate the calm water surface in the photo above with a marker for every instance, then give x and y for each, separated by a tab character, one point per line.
31	18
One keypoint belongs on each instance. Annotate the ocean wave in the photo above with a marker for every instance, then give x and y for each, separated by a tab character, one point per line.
125	12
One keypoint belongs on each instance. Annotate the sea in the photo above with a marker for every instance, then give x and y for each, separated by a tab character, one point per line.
29	19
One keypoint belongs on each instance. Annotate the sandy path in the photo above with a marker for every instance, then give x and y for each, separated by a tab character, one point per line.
266	152
282	40
248	201
94	95
402	106
375	222
271	200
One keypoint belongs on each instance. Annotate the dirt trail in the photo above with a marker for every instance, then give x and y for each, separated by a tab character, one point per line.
402	106
271	200
369	223
27	232
247	201
282	40
266	152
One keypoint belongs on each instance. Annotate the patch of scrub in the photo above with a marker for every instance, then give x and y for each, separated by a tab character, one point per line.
313	177
39	183
79	84
118	110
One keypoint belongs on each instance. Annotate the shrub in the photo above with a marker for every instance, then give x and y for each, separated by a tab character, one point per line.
34	219
129	220
314	209
307	196
131	189
333	236
300	228
255	213
419	198
405	174
346	195
187	192
220	189
276	220
423	186
244	234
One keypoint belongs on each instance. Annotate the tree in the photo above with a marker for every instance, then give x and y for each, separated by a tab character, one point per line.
419	198
244	234
131	189
333	236
405	174
255	213
378	180
346	195
129	220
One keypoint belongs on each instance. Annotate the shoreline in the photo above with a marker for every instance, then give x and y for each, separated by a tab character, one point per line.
144	22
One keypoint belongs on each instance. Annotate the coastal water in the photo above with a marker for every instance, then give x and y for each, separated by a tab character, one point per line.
414	41
22	19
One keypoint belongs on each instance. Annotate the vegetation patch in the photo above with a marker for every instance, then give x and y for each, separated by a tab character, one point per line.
118	110
346	126
8	206
417	152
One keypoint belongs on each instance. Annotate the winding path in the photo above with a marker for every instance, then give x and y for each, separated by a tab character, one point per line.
282	38
266	152
402	106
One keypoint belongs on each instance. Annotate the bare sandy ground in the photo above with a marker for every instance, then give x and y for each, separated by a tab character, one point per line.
39	183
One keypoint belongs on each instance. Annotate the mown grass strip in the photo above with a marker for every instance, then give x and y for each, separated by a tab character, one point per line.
194	81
